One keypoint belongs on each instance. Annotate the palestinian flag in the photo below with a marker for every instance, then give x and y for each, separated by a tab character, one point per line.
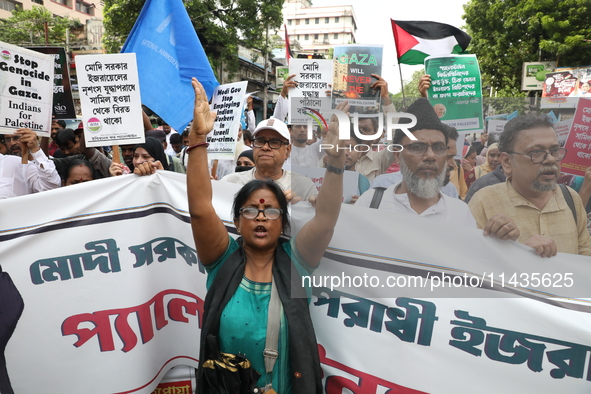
415	40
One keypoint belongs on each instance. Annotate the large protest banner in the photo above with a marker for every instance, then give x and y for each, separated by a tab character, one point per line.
63	103
455	92
110	99
26	90
112	296
351	180
578	143
228	101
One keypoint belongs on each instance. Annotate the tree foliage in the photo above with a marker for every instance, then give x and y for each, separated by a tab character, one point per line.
506	33
27	27
222	25
411	86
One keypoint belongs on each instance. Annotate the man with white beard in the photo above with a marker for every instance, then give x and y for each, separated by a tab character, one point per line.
423	168
550	218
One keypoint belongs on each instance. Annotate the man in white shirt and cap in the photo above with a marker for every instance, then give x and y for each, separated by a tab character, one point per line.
271	148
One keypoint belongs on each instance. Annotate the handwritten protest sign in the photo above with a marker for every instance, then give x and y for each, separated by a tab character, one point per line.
455	91
228	101
26	90
63	104
578	143
314	78
110	99
353	66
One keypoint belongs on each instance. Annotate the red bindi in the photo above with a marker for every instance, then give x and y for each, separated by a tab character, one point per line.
262	200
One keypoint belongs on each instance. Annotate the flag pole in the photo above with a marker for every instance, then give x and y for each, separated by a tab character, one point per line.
402	86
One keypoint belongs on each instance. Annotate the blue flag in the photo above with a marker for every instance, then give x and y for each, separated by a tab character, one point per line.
512	115
169	54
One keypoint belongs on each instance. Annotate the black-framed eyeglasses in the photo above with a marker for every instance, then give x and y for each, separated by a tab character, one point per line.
273	143
419	148
269	213
538	156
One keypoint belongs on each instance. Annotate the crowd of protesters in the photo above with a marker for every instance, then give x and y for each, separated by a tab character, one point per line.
510	187
508	184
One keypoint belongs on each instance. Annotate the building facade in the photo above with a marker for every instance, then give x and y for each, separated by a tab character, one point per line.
82	10
90	15
317	29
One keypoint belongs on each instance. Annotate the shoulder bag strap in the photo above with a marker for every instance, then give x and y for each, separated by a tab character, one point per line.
569	200
377	197
273	325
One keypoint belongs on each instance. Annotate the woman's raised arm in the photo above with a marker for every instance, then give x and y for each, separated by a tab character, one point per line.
211	237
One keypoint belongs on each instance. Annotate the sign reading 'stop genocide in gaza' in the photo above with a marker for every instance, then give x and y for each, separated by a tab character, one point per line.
26	90
110	99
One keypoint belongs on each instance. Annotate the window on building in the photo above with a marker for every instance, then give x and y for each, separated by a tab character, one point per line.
326	20
306	37
317	21
326	37
9	5
297	22
307	21
336	36
298	37
85	8
62	2
289	22
336	19
38	1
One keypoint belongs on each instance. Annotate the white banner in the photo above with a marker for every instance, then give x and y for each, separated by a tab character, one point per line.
110	99
26	90
113	297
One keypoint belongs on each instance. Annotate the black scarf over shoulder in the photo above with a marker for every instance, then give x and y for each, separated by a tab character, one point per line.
306	374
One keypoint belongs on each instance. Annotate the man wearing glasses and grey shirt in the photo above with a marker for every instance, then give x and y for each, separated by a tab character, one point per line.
549	218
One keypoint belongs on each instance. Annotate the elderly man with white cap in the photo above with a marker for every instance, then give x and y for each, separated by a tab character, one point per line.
271	148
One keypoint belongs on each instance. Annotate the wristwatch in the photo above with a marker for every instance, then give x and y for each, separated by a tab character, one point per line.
334	169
